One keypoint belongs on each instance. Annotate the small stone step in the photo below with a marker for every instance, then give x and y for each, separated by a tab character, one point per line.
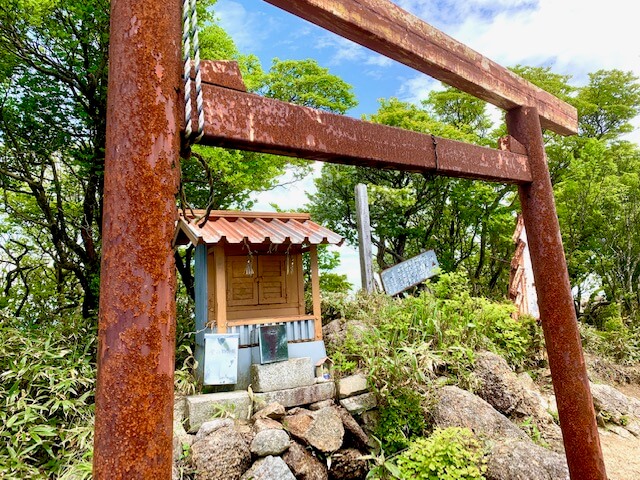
352	385
360	403
295	397
292	373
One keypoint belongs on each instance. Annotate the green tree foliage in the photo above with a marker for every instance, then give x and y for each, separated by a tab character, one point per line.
53	80
52	133
596	183
304	82
608	104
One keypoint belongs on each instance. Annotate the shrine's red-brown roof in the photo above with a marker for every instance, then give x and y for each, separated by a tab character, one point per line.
236	227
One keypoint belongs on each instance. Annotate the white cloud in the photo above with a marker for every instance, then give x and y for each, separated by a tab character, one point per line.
249	29
343	51
378	60
573	37
416	89
443	13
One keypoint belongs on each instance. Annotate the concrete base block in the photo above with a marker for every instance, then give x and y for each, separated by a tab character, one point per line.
292	373
202	408
295	397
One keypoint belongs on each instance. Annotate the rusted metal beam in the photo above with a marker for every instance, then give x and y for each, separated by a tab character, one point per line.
245	121
562	338
391	31
134	394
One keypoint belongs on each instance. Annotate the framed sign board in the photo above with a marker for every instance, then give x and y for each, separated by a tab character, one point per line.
220	359
409	273
272	340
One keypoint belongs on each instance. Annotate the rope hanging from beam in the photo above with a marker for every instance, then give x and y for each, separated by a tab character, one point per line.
191	43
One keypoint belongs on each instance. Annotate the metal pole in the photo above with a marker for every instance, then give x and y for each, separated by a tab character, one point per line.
134	394
364	238
562	338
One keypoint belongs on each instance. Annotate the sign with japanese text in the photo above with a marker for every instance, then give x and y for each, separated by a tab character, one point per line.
409	273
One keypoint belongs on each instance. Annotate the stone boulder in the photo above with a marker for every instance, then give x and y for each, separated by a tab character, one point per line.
266	424
335	332
348	464
524	460
360	403
321	404
509	393
614	406
293	397
303	464
291	373
269	442
322	429
204	407
455	407
274	410
222	454
515	396
352	385
268	468
209	427
353	431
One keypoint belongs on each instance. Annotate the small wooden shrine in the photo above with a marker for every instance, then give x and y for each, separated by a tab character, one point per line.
249	272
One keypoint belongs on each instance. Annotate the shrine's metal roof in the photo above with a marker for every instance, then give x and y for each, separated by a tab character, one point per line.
235	227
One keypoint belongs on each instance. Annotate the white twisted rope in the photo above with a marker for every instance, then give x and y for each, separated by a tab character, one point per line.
190	41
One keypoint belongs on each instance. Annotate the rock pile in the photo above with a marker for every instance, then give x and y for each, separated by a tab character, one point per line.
305	430
321	431
282	444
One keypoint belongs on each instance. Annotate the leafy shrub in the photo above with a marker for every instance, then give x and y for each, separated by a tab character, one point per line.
448	454
410	341
46	389
618	342
185	380
333	305
401	419
598	313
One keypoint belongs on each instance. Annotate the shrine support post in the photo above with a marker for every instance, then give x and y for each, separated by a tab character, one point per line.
134	395
562	338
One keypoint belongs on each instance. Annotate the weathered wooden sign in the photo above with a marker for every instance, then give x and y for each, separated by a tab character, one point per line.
409	273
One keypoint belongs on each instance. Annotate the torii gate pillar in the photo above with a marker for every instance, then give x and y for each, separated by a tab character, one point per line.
562	338
134	394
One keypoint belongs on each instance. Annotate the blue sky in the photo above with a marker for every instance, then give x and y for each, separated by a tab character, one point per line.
573	37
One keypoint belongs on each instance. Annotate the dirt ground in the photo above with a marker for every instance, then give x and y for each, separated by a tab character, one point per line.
622	455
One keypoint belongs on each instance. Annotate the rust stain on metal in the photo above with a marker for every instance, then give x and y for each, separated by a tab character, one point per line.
250	122
555	301
387	29
134	395
223	73
510	144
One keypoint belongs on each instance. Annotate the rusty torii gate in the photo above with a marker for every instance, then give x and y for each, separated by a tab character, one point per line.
134	397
